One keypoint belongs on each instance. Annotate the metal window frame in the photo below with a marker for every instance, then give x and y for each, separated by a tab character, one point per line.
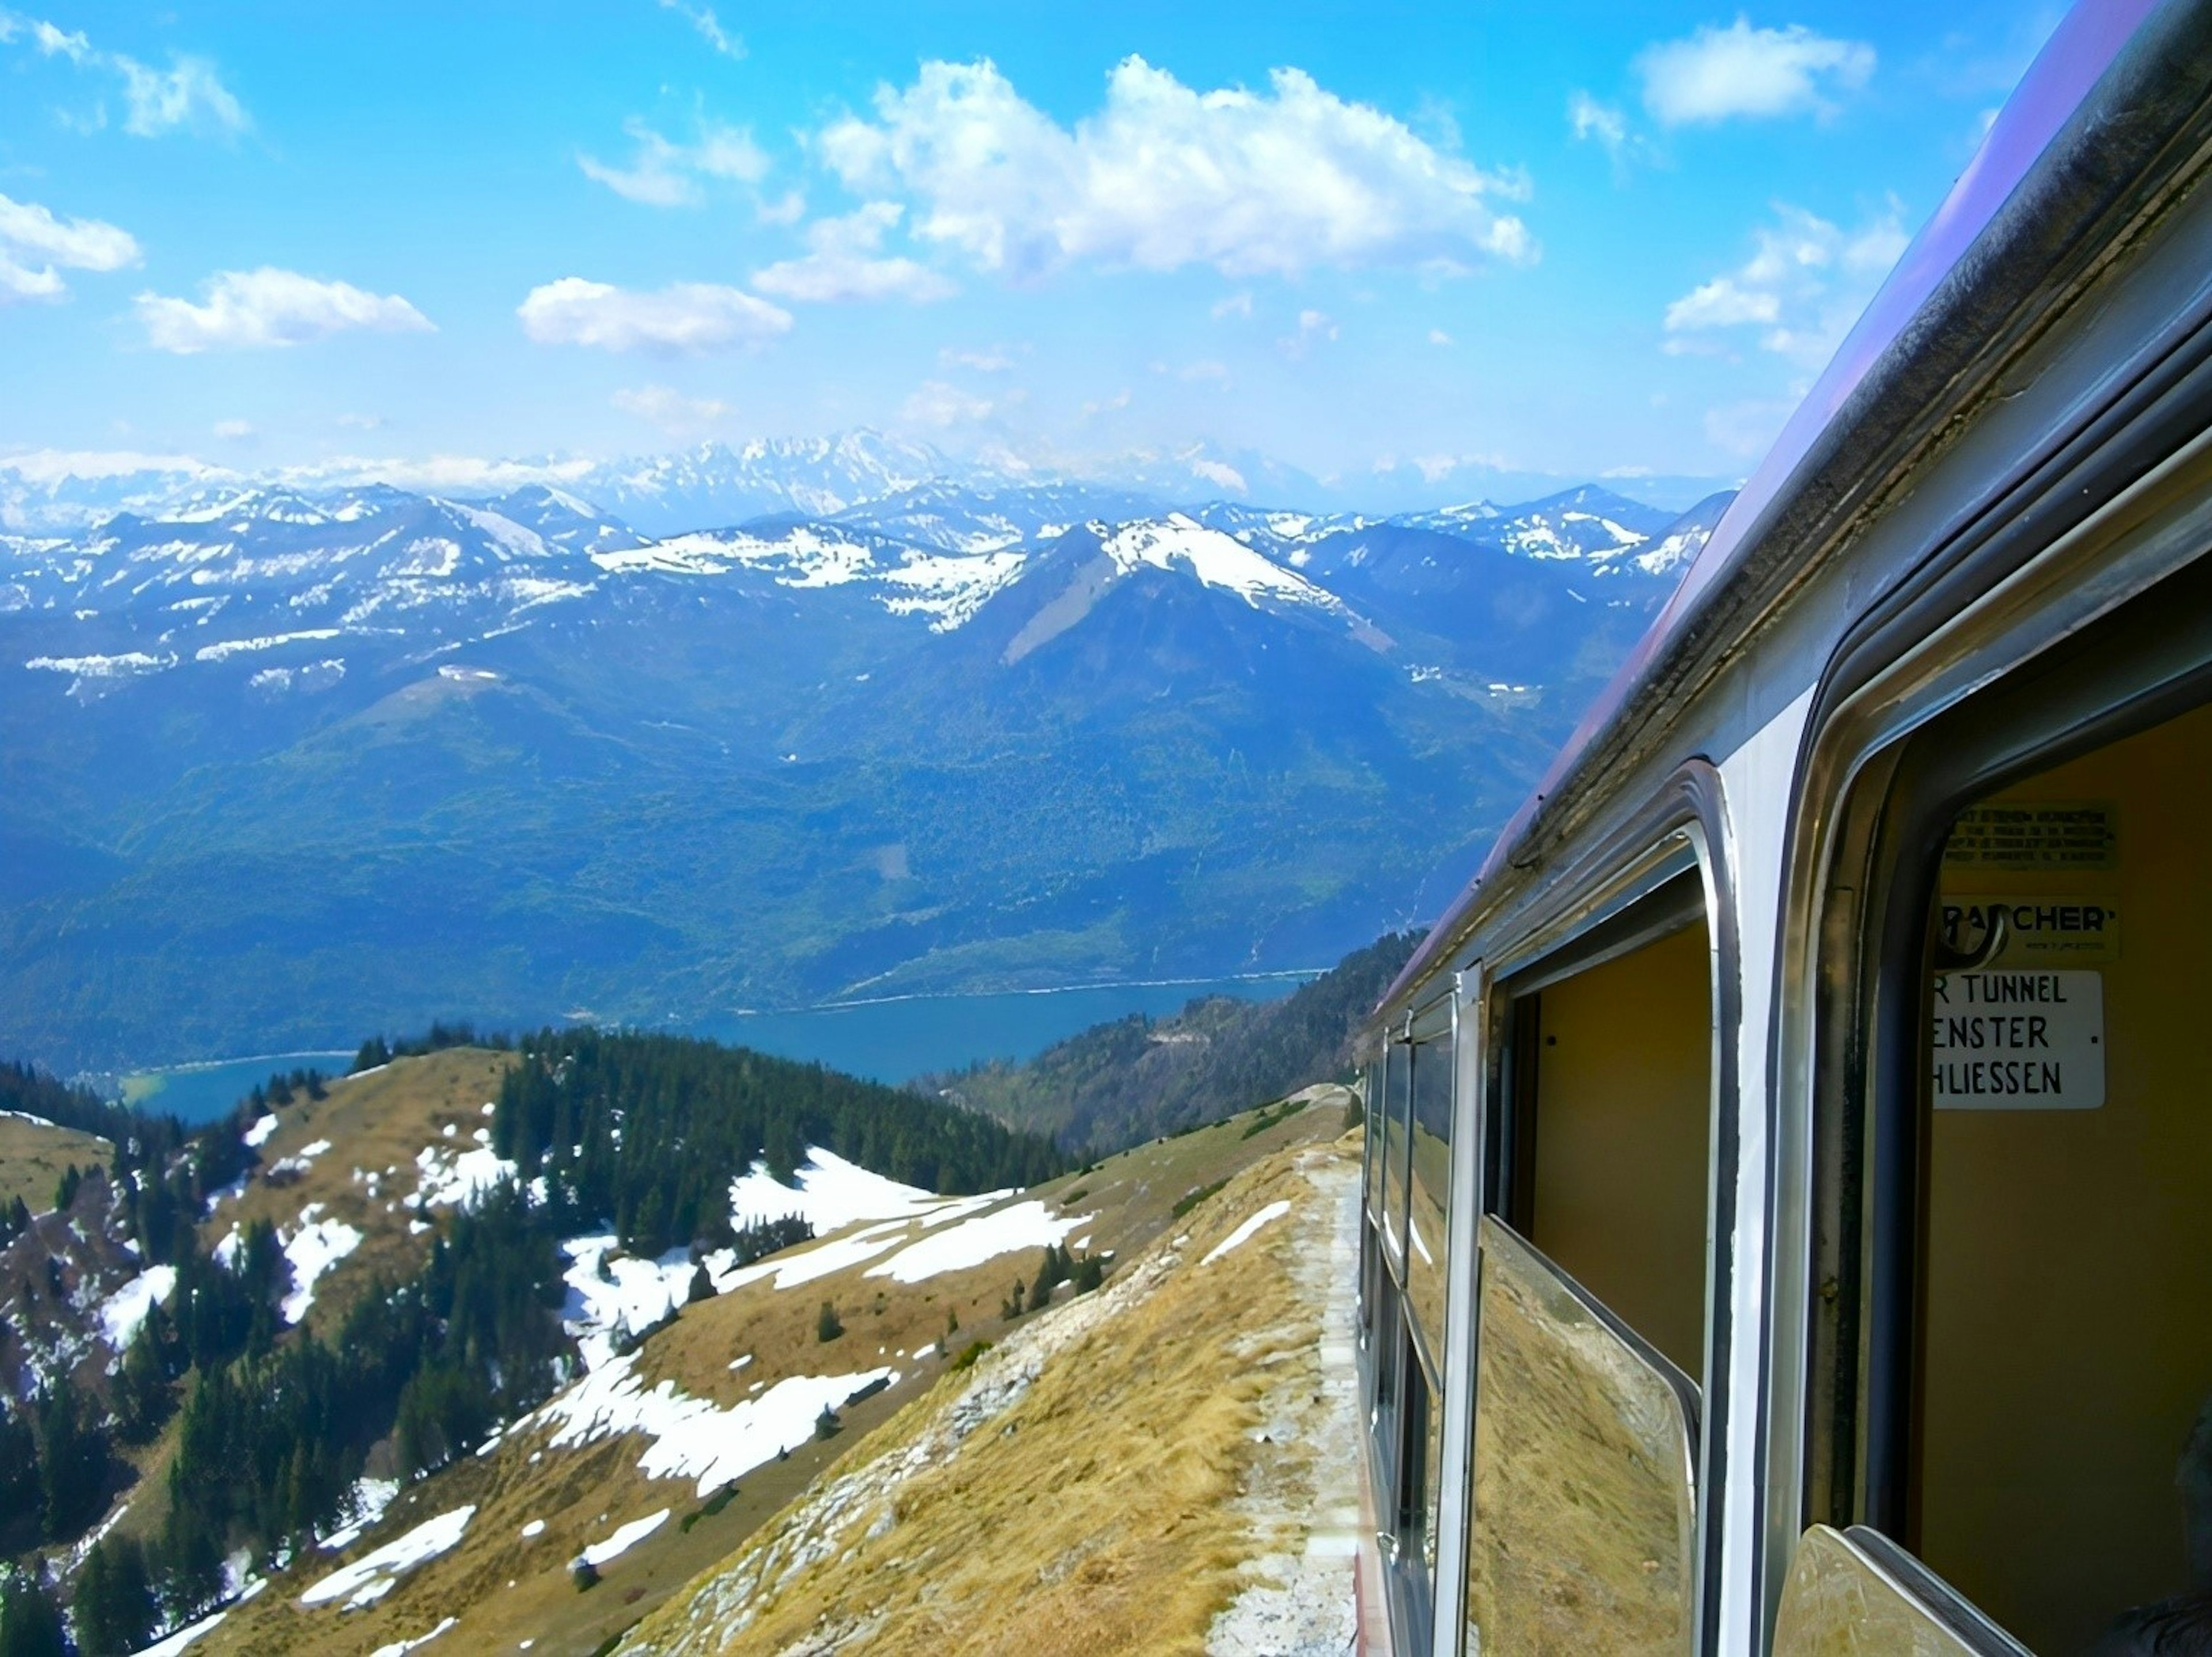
1583	915
1947	663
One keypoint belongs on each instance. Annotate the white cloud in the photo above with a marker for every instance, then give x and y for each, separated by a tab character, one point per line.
51	41
683	317
662	173
1589	119
936	404
1112	404
36	246
994	360
1438	336
1313	327
1804	285
1719	73
1237	304
1163	177
234	431
710	29
843	262
677	414
1207	370
247	309
187	94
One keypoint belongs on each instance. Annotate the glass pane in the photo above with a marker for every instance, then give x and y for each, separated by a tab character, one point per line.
1428	1219
1842	1602
1585	1513
1397	1072
1375	1141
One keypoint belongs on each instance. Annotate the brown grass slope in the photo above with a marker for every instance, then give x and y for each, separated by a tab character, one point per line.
1111	1479
505	1587
33	1153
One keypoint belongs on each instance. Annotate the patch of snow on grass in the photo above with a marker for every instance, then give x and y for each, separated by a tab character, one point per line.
631	1294
445	1181
126	1309
625	1538
370	1498
790	1269
691	1437
971	1243
318	1245
174	1644
401	1648
535	1528
831	1194
370	1577
1243	1233
258	1135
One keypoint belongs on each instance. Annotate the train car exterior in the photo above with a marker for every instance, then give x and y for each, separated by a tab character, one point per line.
1785	1215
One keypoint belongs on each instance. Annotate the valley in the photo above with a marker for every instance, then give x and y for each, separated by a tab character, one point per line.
376	755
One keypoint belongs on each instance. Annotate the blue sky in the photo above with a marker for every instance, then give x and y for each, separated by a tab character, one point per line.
1574	239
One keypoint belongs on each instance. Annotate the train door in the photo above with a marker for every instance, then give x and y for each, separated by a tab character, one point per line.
1593	1289
2011	1427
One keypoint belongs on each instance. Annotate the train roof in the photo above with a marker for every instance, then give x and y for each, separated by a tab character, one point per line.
2077	147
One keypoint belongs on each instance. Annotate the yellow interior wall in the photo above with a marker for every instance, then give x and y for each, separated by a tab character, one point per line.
2068	1338
1624	1093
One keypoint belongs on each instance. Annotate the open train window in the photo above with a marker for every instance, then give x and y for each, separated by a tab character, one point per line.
1591	1302
1609	1122
2013	1345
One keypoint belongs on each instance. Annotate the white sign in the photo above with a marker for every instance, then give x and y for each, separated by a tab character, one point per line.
2019	1041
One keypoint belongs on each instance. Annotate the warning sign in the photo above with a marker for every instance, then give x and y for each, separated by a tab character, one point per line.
2035	834
2019	1041
2032	932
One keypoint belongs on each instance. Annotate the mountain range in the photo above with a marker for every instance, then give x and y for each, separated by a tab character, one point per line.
764	727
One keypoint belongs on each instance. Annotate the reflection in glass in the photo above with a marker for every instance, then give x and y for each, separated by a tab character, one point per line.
1585	1515
1397	1070
1842	1601
1375	1141
1428	1217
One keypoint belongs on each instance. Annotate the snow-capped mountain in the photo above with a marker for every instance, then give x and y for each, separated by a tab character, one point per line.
968	517
513	754
718	484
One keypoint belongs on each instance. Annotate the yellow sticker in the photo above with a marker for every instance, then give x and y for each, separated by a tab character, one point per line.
2035	834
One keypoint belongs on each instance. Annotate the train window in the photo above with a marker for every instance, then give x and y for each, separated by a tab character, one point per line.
1610	1143
1428	1220
2061	1448
1397	1078
1416	1481
1373	1110
1583	1535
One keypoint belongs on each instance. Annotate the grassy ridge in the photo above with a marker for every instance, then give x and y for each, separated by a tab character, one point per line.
1116	1083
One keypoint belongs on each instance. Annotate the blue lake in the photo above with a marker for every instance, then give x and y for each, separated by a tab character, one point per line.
200	1093
892	1040
897	1040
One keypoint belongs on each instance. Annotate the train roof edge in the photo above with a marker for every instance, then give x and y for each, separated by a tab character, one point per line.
2083	143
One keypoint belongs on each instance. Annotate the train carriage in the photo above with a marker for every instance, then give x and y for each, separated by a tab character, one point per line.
1787	1224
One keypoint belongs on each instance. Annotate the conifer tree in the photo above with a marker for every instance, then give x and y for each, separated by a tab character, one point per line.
30	1622
703	1285
114	1608
826	1325
72	1465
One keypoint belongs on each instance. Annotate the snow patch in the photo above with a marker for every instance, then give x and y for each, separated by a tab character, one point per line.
691	1437
174	1644
258	1135
122	1312
1023	1225
1244	1232
401	1648
313	1250
625	1538
370	1577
